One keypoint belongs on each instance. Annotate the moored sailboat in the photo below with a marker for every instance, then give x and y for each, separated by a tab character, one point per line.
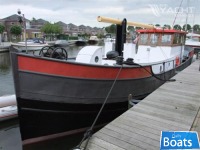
57	96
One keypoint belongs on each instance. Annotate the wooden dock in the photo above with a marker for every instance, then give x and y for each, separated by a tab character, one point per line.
175	106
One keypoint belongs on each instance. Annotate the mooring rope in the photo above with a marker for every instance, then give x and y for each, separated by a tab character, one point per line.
151	73
88	133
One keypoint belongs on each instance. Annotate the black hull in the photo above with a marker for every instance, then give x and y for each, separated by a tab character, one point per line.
49	104
54	118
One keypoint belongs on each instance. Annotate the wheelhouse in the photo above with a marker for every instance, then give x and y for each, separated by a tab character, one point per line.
161	37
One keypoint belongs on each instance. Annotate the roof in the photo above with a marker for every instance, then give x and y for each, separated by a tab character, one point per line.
160	31
13	18
193	35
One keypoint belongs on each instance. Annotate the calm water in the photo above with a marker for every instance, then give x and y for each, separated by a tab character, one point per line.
6	79
7	88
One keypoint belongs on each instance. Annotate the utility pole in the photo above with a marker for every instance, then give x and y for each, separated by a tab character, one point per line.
23	21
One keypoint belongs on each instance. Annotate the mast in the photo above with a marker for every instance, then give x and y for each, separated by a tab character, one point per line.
186	17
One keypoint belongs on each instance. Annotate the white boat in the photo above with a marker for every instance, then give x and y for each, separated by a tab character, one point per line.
8	107
32	44
193	40
93	40
64	43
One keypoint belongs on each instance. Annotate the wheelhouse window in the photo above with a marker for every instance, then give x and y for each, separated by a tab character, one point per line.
177	38
154	39
143	39
166	39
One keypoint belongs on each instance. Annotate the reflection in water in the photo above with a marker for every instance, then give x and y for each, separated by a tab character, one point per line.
4	62
6	79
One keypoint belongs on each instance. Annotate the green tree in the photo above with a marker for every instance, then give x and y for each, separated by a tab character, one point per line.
57	29
2	28
187	27
138	28
166	26
131	28
157	25
16	30
51	29
196	28
177	27
111	29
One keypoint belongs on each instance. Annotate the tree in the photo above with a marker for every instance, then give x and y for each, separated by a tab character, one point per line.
16	30
166	26
57	29
196	28
157	25
187	27
177	27
51	29
33	20
2	28
111	28
138	28
131	28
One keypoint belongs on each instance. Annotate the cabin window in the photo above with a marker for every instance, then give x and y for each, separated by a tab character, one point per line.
154	39
177	39
182	39
166	39
196	39
143	38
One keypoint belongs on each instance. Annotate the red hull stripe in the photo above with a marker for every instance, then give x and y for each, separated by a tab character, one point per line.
45	66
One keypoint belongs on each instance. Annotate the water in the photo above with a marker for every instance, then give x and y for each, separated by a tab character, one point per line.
7	88
6	79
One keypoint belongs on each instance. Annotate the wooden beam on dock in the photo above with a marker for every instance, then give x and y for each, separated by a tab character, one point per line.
175	106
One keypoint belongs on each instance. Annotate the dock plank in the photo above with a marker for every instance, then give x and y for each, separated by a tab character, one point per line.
104	144
175	106
133	137
125	143
186	119
158	116
137	118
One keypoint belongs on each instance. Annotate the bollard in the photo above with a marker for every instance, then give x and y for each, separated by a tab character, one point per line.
130	104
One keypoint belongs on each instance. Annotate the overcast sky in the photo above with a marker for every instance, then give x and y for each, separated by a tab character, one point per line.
85	12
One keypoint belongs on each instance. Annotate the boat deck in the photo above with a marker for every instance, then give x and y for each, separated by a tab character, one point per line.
175	106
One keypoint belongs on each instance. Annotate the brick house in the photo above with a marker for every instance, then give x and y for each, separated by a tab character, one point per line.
33	28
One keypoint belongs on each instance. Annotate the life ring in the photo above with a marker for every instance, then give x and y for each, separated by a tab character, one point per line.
177	61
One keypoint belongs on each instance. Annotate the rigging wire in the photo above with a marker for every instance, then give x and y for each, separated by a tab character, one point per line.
193	20
88	133
177	13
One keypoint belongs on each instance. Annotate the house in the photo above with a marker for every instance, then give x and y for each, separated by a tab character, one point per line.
9	21
33	28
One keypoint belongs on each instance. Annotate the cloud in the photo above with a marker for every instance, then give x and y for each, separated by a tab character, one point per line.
86	11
